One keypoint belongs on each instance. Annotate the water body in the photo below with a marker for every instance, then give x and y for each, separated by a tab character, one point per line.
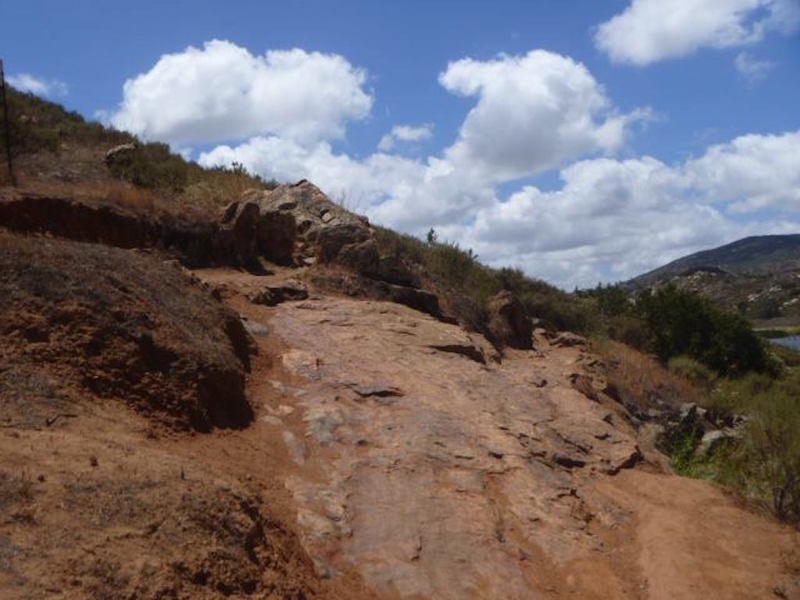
792	341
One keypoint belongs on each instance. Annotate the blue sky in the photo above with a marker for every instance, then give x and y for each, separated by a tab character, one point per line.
581	141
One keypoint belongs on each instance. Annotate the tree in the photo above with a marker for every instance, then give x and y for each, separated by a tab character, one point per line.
432	236
680	322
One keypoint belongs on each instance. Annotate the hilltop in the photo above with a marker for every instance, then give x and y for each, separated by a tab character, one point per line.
751	256
757	276
217	386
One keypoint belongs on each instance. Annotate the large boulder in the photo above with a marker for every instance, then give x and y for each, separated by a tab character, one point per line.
509	322
299	224
121	153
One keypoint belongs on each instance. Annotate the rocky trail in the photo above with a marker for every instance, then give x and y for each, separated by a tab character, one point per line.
316	426
420	461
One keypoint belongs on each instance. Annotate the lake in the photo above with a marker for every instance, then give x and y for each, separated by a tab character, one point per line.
792	341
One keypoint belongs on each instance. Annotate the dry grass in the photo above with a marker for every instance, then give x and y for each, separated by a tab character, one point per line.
212	189
111	192
640	379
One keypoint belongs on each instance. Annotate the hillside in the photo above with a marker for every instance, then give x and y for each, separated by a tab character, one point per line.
752	256
264	395
757	276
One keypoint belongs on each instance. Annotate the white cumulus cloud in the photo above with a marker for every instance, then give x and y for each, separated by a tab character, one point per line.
557	112
648	31
405	133
750	173
223	92
533	113
25	82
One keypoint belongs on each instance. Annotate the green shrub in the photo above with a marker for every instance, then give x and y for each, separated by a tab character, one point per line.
787	357
612	300
772	450
681	448
764	463
767	308
681	322
629	329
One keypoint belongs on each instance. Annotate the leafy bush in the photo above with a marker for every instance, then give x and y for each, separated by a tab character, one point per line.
681	322
629	329
787	357
763	463
612	301
767	308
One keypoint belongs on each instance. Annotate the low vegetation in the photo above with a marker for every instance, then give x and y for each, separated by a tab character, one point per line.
49	142
38	125
458	275
713	358
763	461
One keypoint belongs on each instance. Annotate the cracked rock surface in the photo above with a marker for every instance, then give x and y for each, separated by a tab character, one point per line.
420	460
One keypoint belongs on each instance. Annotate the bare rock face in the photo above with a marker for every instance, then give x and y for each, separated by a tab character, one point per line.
238	228
446	475
357	286
510	323
272	295
275	236
123	152
300	225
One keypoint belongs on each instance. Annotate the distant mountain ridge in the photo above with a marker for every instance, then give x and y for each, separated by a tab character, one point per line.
756	255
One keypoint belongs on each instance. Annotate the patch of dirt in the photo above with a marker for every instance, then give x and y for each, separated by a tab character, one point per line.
81	320
691	540
95	510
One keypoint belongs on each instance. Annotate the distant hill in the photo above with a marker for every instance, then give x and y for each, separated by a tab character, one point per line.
759	276
757	255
